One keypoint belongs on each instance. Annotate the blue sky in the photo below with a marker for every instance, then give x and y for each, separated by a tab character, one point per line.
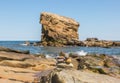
19	19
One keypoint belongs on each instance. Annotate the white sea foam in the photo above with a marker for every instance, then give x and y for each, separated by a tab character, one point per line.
116	57
23	44
49	56
81	53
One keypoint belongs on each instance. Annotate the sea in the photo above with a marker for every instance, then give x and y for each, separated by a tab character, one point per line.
18	45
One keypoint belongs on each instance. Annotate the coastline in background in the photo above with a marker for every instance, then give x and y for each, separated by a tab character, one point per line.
55	50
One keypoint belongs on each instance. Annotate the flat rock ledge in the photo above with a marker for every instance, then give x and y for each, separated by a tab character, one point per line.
16	67
27	68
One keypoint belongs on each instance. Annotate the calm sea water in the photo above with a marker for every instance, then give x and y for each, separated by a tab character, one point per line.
55	50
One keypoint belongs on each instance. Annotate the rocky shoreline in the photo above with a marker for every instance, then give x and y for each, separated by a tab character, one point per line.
89	42
19	67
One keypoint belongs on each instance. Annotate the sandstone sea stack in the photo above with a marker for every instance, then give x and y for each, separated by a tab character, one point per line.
58	30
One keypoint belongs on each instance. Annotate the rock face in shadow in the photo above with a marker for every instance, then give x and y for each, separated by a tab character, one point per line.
58	30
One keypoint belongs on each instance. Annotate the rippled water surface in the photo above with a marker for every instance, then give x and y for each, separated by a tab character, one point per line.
54	50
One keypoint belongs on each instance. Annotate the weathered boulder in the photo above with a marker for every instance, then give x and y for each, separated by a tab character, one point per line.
58	30
75	76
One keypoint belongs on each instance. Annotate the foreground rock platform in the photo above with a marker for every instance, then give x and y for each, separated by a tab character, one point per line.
72	68
22	68
58	30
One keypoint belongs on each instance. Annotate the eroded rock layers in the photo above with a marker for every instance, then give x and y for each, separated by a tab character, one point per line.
58	30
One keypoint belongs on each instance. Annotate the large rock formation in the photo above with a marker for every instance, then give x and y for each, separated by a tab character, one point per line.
58	30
